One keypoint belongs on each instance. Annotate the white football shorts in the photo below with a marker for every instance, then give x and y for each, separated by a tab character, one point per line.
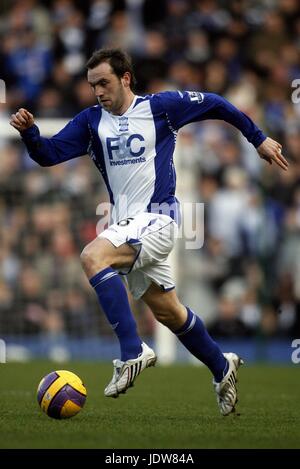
153	237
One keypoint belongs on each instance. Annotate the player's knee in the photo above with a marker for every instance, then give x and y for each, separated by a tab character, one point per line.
93	261
167	317
162	316
172	315
85	258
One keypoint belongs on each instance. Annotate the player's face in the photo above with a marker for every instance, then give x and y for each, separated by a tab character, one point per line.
109	89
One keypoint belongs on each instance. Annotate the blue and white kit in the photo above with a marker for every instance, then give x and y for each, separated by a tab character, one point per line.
134	153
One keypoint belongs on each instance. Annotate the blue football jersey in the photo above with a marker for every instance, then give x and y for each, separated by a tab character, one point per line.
134	151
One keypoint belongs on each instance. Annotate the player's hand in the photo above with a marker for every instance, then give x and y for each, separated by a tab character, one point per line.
22	120
270	150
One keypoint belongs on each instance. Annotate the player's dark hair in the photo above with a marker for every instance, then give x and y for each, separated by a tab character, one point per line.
118	59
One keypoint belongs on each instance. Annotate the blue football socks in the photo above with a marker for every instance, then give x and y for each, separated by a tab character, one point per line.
113	298
194	336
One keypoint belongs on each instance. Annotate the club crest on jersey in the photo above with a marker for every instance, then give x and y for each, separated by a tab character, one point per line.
196	96
123	124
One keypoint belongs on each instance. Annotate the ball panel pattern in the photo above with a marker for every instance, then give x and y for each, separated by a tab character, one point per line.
45	384
64	395
51	392
57	403
69	409
73	380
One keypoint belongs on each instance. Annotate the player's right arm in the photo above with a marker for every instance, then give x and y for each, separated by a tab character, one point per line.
72	141
192	106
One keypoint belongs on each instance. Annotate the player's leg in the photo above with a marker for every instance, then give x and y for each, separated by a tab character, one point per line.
188	327
116	251
192	333
101	254
100	259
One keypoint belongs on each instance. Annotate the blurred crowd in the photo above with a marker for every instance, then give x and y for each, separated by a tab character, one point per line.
246	278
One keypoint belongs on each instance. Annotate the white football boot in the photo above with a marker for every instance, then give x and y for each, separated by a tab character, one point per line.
126	372
226	390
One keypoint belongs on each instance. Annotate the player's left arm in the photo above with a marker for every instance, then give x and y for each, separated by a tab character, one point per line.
192	106
70	142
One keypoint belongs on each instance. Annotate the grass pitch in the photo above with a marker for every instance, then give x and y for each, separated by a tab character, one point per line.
169	407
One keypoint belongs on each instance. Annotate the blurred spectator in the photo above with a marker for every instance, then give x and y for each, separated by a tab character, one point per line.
28	64
229	323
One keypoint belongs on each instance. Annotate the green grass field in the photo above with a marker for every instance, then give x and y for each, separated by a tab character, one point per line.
169	407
